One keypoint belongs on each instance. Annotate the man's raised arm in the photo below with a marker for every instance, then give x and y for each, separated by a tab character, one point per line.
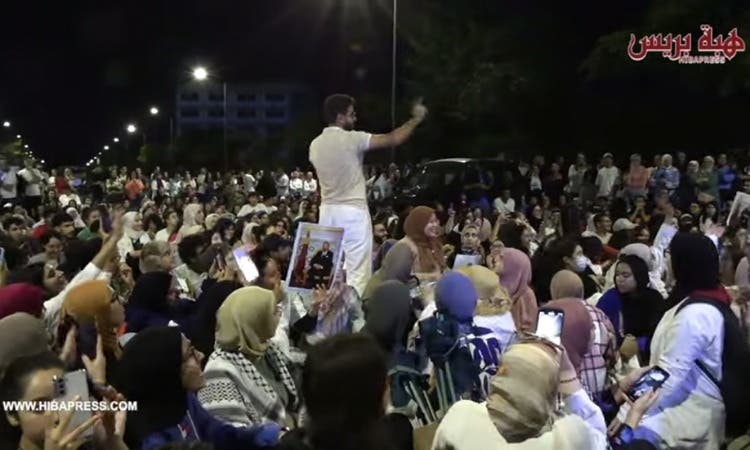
402	133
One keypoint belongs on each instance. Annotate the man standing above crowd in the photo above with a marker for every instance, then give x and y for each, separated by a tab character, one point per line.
8	183
33	179
608	177
337	156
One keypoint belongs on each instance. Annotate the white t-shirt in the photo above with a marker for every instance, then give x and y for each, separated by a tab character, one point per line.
309	186
248	209
250	182
296	185
32	189
606	180
506	207
337	156
8	184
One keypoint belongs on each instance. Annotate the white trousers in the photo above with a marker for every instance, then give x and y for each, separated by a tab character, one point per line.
357	243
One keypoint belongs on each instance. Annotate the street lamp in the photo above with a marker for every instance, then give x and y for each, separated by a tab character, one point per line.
154	110
131	128
106	147
18	136
26	146
6	124
200	74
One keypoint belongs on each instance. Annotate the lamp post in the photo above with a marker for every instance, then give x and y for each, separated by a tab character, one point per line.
201	74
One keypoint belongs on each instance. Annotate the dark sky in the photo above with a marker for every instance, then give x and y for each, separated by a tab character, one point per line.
73	73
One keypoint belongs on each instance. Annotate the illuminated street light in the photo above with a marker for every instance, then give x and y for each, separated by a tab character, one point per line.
200	73
18	136
131	128
6	124
26	146
116	140
154	110
106	147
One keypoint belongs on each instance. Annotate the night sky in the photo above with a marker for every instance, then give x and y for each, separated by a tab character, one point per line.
73	73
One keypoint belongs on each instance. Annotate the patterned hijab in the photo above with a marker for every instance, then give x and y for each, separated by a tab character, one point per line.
246	321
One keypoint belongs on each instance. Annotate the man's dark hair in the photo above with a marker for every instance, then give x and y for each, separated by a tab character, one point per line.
12	220
48	236
60	218
274	243
188	247
153	219
336	104
599	217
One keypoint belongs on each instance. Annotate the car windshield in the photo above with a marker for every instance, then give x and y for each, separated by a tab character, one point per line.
422	177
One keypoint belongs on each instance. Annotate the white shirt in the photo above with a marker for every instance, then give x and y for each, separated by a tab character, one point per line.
248	209
606	180
689	411
32	189
337	156
309	186
296	185
282	185
504	207
8	184
249	182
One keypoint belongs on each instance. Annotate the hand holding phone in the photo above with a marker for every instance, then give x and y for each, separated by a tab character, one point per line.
73	386
649	381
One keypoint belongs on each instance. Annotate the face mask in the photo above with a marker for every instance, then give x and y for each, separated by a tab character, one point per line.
581	263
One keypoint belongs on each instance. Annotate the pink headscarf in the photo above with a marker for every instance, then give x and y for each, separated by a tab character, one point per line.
516	278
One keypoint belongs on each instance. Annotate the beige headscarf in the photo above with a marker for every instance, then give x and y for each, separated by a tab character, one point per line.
493	298
21	335
246	321
566	284
189	220
522	396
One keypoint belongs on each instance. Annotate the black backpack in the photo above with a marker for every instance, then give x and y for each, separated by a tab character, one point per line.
735	362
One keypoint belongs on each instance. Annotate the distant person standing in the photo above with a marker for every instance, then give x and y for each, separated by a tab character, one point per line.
33	180
337	156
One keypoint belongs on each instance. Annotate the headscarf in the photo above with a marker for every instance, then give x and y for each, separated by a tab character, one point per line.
430	250
211	221
247	233
456	296
515	279
577	328
151	291
396	266
149	372
21	335
204	331
246	321
77	221
641	309
493	298
522	395
389	315
90	303
21	297
640	250
128	220
190	213
566	284
695	265
189	222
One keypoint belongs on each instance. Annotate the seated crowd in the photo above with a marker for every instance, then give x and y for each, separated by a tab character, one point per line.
139	284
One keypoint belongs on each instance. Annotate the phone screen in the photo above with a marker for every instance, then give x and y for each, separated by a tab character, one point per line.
246	264
651	380
67	388
549	324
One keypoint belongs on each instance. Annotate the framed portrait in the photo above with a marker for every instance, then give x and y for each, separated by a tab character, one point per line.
316	257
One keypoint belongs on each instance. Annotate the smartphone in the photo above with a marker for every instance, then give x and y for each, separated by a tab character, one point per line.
651	380
67	388
246	264
549	324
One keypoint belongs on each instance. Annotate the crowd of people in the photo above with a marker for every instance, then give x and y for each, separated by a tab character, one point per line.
427	336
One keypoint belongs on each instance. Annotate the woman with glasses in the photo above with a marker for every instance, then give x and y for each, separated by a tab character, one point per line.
161	370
